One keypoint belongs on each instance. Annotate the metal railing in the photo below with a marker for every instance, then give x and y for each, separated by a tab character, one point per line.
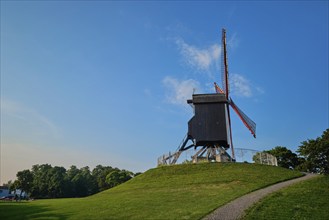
241	155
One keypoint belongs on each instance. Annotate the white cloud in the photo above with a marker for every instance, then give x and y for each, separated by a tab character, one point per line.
240	86
202	59
233	42
179	91
260	90
206	59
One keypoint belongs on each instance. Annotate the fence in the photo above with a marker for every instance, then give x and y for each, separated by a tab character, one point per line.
241	155
254	156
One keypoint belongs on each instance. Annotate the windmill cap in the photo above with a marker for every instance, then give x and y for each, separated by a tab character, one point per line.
207	98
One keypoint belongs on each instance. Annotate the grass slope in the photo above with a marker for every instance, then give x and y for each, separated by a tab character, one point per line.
304	200
188	191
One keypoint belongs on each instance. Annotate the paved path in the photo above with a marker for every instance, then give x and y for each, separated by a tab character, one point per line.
235	209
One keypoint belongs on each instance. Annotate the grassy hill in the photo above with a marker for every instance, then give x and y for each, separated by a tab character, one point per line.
305	200
188	191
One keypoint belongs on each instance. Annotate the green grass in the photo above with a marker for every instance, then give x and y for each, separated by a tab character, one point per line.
188	191
304	200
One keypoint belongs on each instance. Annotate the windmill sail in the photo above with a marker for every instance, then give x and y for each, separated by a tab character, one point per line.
250	124
225	65
218	89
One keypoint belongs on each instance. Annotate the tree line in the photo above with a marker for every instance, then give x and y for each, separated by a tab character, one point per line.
313	155
45	181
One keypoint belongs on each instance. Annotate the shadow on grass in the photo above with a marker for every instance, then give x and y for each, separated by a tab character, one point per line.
26	210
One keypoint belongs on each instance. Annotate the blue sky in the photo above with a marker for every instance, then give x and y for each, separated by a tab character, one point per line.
86	83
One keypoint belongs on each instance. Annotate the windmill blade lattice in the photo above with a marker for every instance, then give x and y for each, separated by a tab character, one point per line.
218	89
250	124
225	74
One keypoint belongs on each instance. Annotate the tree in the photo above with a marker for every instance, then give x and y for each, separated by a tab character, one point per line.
83	182
41	179
117	177
285	157
138	173
70	174
24	181
99	173
45	181
90	181
14	186
8	184
316	153
58	183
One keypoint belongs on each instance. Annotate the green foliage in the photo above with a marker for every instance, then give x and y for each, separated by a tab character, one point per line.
100	172
138	173
264	158
58	184
24	181
45	181
41	178
14	186
316	154
8	185
117	177
304	200
188	191
285	157
313	155
260	158
83	183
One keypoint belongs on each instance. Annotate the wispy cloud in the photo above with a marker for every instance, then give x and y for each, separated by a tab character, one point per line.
240	86
260	90
38	123
206	60
233	42
178	91
201	59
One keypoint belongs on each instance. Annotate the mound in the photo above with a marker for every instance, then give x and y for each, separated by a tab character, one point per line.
188	191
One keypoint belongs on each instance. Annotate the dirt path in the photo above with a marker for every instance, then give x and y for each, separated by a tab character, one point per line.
235	209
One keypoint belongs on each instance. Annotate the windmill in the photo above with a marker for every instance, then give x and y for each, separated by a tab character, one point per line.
209	129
